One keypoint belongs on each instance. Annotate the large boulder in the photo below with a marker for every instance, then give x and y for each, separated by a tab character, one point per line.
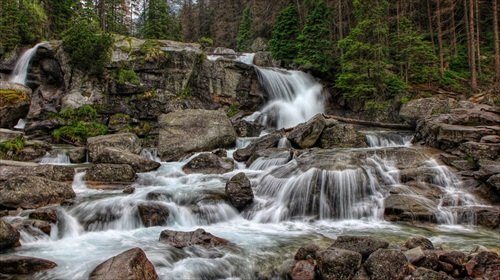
335	263
268	141
342	135
365	245
59	173
180	239
30	192
187	131
111	173
118	156
386	264
305	135
132	264
14	103
303	270
484	265
239	191
124	141
24	265
9	236
417	109
208	163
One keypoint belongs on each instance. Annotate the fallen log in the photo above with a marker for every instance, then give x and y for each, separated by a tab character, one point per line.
370	123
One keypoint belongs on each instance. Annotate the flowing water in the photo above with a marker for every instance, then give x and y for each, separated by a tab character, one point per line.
21	68
295	204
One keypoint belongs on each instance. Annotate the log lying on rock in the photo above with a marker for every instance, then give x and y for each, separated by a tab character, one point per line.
370	123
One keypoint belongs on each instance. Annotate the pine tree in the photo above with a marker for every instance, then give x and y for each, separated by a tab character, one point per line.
283	44
61	13
9	24
158	21
32	22
244	38
315	43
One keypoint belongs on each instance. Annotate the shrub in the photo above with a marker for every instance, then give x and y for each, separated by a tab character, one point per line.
12	146
79	131
128	76
206	42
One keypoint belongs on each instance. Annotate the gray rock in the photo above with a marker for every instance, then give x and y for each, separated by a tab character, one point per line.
417	109
119	156
188	131
239	191
112	173
6	134
421	242
45	214
124	141
386	264
24	265
14	103
414	255
9	236
401	207
78	155
342	135
365	245
268	141
208	163
31	192
335	263
52	172
132	264
199	237
259	44
153	214
427	274
306	135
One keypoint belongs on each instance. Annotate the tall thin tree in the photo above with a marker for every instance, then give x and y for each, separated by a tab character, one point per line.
497	45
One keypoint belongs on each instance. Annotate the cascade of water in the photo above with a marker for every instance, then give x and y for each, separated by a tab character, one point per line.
21	123
387	139
151	154
295	97
21	69
58	159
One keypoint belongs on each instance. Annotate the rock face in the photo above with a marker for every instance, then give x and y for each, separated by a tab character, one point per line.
9	236
24	265
124	141
199	237
131	264
188	131
32	192
239	191
209	163
14	103
118	156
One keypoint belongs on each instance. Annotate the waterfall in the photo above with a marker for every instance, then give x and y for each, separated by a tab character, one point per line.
294	97
21	69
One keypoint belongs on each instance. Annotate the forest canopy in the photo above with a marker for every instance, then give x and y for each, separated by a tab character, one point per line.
364	49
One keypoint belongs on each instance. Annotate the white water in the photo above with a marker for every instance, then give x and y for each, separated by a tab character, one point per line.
294	97
21	68
21	123
388	139
58	157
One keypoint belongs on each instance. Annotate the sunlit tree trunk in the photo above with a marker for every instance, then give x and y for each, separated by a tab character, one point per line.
440	37
497	47
472	44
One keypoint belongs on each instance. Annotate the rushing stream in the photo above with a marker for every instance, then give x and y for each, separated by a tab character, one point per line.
293	206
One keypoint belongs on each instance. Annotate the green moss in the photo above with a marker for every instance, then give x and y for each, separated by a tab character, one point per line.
128	76
12	147
405	100
232	111
151	51
79	131
10	96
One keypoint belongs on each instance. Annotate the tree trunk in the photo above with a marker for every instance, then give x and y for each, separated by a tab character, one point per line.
478	39
473	79
431	30
440	37
370	123
497	47
454	29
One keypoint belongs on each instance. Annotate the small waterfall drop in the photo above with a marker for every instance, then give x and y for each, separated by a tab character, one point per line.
59	158
21	69
294	97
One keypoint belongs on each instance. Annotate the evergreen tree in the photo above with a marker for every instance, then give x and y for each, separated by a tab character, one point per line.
245	32
61	13
283	44
10	35
316	46
32	19
366	55
158	21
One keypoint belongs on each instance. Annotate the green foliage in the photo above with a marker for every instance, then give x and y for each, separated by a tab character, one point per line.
404	100
12	147
79	131
245	32
151	51
185	93
61	12
283	44
10	35
84	112
157	21
10	96
201	57
84	41
206	42
128	76
315	43
32	21
232	111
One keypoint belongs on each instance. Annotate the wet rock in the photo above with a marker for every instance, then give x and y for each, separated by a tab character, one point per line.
129	190
421	242
199	237
188	131
303	270
455	258
14	103
427	274
342	135
430	261
208	163
112	173
119	156
31	192
124	141
248	129
262	143
78	155
365	245
239	191
485	265
275	155
24	265
9	236
400	207
49	215
307	252
52	172
386	264
305	135
131	264
153	214
334	263
414	255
